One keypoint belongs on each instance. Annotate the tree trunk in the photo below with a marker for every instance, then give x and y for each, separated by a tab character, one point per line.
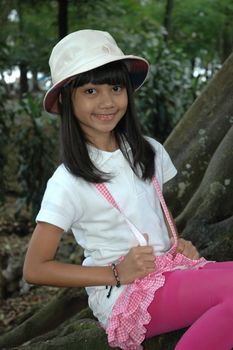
226	37
64	306
168	19
35	85
23	78
201	194
195	139
62	18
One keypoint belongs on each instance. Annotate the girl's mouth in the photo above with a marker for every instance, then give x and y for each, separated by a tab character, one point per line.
104	116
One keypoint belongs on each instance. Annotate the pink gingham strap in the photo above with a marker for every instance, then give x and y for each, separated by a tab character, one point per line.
165	209
102	188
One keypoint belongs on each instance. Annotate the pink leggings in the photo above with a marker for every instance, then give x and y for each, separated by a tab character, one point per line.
201	298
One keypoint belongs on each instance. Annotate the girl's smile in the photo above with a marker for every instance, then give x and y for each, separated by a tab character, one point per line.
99	108
106	117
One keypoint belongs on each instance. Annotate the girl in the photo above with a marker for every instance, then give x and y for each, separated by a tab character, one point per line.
141	280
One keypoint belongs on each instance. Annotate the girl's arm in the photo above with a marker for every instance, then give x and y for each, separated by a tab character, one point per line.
40	266
185	247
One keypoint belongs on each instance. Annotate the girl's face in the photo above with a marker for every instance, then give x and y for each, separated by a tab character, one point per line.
99	108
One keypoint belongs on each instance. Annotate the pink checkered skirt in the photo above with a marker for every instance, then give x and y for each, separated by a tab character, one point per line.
129	315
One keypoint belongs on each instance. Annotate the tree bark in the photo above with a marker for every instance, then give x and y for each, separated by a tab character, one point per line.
89	335
226	37
62	18
23	78
65	305
195	139
201	194
216	182
168	20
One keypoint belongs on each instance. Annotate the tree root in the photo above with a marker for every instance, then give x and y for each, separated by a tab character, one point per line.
67	303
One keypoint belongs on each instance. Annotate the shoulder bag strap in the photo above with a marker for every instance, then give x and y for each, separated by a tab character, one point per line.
102	188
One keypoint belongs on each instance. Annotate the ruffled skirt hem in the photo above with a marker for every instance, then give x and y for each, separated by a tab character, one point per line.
129	315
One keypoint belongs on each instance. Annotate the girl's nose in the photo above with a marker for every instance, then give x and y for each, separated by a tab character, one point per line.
106	100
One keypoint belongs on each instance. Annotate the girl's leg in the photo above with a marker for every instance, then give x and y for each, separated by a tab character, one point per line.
202	298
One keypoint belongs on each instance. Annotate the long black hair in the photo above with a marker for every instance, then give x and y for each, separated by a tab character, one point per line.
74	152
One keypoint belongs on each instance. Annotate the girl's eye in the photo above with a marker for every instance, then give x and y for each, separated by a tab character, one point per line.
116	88
90	91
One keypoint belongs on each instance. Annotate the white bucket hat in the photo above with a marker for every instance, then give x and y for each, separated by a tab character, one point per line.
82	51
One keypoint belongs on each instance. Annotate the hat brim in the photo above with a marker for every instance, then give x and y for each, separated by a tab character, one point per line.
138	70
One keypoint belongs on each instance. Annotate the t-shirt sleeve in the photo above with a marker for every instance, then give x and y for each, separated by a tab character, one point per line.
164	166
168	168
57	207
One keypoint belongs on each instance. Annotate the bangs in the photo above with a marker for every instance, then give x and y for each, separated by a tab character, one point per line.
114	73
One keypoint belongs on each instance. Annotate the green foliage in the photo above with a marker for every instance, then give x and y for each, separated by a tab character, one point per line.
36	142
200	28
27	32
163	100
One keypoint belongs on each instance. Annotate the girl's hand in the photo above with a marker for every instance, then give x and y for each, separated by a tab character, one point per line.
138	263
186	248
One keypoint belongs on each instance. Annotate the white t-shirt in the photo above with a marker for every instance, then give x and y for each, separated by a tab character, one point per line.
72	203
